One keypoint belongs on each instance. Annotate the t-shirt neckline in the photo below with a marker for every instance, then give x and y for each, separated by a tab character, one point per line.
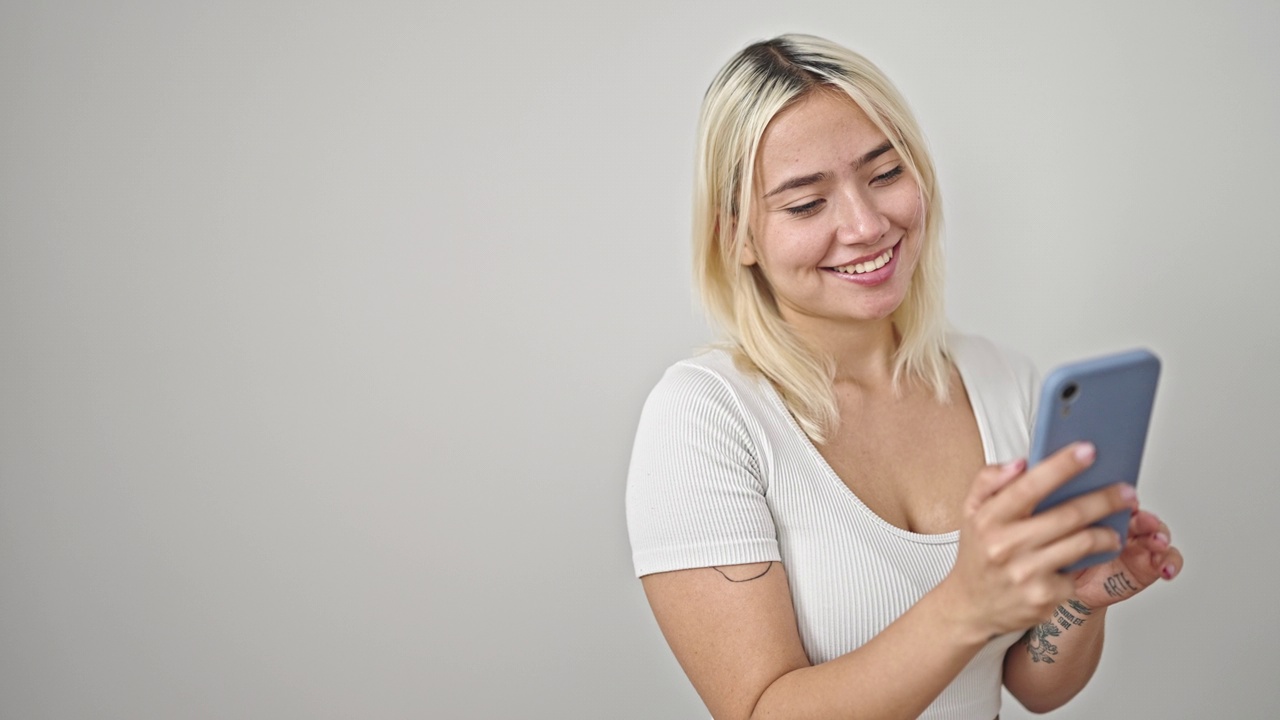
984	432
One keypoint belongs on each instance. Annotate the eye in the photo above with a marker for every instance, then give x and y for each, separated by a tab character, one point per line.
888	177
808	208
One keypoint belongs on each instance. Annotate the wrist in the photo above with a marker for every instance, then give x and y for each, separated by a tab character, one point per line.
1075	613
963	621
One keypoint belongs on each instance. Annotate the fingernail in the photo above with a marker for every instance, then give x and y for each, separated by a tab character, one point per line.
1085	452
1168	571
1013	466
1128	492
1161	538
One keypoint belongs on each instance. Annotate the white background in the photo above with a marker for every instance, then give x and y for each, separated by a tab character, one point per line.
324	329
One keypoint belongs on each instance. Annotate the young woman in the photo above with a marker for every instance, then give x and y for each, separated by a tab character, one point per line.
829	515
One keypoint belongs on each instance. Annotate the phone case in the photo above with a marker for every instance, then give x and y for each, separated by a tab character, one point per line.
1108	402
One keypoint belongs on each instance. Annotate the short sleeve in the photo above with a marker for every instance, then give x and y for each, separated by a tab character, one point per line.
695	495
1027	378
1003	386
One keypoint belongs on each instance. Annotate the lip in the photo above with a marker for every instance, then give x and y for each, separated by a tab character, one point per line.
875	277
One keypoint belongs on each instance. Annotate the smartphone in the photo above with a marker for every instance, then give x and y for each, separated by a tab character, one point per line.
1107	401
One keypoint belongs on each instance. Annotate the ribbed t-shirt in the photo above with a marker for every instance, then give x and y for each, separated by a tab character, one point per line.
721	474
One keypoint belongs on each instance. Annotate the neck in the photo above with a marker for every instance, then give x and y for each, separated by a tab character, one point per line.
863	351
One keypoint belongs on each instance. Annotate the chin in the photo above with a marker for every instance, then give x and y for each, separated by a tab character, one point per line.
881	308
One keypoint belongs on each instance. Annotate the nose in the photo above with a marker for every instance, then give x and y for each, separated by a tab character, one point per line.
859	221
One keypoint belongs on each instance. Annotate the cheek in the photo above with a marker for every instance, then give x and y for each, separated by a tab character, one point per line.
806	241
780	247
906	208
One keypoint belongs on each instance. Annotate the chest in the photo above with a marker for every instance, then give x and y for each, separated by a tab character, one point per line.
910	460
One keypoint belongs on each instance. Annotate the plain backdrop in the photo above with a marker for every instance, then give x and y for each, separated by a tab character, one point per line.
325	327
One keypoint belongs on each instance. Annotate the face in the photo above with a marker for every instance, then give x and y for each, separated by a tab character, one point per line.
836	217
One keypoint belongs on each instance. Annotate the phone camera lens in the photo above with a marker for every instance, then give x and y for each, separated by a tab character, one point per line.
1069	392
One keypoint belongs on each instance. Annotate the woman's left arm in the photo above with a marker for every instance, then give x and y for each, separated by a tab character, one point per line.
1056	658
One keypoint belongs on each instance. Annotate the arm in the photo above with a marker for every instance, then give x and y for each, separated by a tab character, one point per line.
1056	658
733	629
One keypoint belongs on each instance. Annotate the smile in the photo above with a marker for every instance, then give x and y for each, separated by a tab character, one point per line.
867	266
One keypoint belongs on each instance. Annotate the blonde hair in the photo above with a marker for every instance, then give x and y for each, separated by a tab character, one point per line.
753	87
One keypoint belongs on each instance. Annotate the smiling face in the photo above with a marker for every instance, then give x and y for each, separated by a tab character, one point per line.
837	216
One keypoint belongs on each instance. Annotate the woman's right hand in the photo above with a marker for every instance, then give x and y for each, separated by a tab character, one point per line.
1006	576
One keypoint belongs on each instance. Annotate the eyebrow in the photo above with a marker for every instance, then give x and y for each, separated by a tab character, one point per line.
804	180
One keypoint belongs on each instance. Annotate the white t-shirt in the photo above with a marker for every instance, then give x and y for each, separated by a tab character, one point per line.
721	474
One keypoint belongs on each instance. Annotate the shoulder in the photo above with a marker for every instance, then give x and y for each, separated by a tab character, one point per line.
982	360
696	491
1006	380
709	381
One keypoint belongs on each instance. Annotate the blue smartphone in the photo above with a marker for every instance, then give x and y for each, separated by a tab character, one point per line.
1107	401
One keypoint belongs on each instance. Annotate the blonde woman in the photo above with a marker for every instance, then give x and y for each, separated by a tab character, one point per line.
830	515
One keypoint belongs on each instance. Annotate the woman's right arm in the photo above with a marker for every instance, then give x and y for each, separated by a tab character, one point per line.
736	639
733	629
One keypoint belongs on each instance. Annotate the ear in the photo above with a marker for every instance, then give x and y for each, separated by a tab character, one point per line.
748	255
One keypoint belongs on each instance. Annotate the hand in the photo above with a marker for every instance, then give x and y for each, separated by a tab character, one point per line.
1006	575
1147	557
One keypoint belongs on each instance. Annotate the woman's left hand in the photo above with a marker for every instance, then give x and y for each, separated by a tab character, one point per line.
1147	557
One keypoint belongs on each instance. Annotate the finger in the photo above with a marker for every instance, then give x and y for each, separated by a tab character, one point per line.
1079	545
1144	523
1044	585
1172	565
1019	498
1150	558
1153	530
992	478
1070	516
1156	542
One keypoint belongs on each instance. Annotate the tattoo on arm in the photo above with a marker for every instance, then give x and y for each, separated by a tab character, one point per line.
1038	644
749	579
1118	585
1037	639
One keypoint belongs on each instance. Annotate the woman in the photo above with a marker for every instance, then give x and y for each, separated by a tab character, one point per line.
830	516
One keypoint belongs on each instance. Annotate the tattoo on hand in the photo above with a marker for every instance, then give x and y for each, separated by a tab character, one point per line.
1037	640
1118	586
741	580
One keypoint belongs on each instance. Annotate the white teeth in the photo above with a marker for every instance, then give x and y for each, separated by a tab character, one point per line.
868	266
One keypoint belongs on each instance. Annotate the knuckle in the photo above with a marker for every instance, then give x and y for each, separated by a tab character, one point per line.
982	518
1024	492
1066	460
1095	540
1019	575
988	479
1118	497
1073	515
998	552
1042	596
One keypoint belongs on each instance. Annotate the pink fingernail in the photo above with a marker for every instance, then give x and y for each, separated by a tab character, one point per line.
1013	466
1128	492
1085	451
1163	540
1168	571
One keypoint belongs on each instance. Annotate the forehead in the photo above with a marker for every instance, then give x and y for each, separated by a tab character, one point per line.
821	131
